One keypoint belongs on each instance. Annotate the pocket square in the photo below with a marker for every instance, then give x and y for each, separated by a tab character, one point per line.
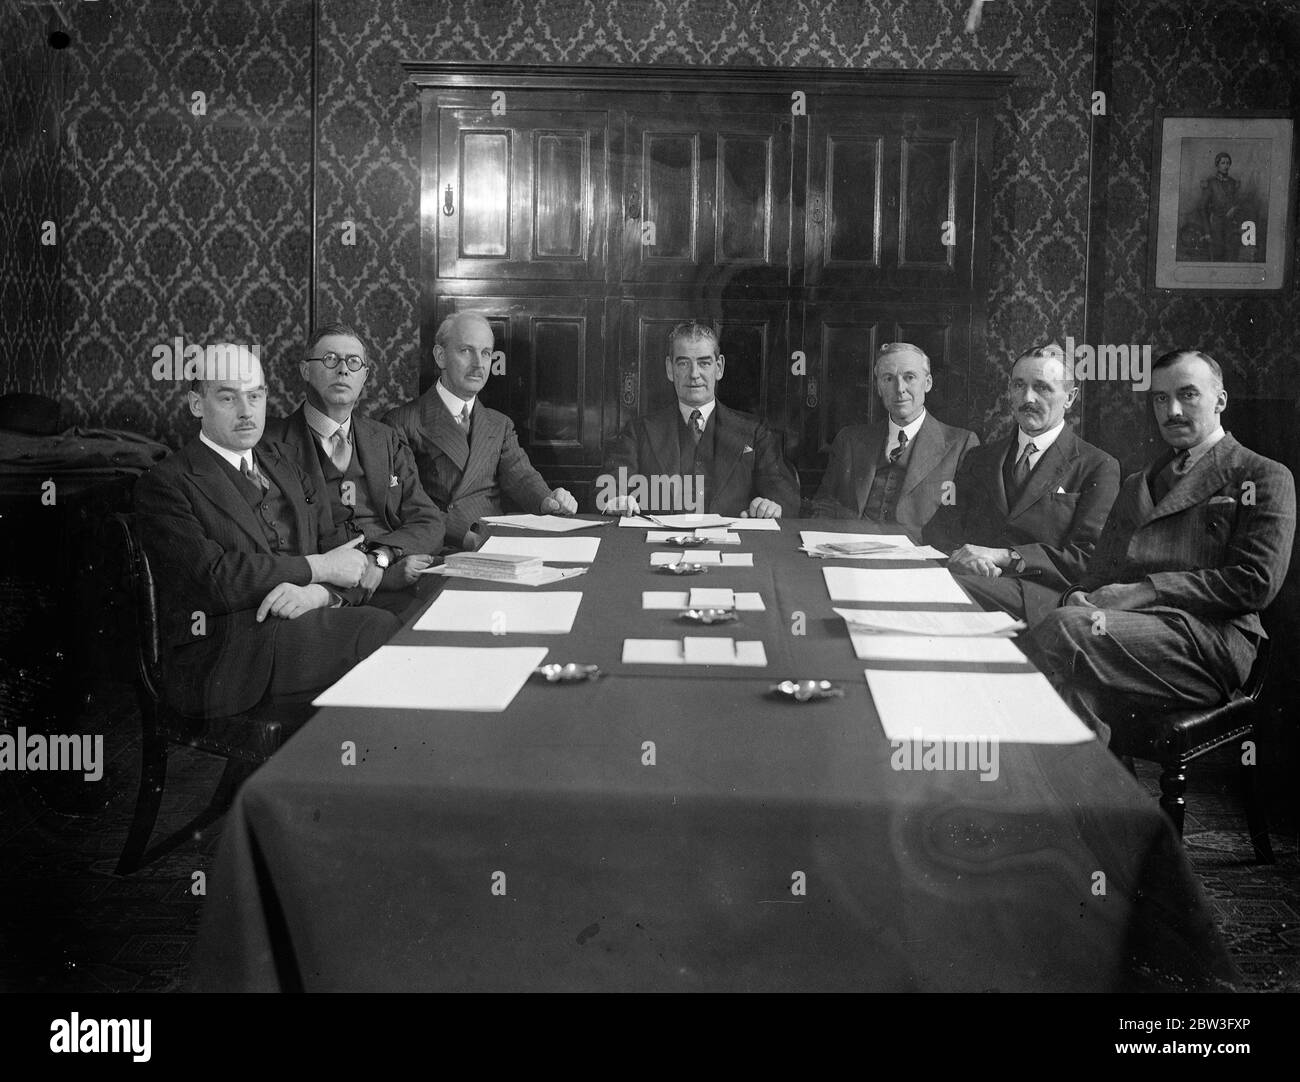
392	481
748	450
1222	500
1061	492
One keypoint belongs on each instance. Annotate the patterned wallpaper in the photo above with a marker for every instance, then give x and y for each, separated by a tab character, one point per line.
1227	56
31	79
177	224
369	129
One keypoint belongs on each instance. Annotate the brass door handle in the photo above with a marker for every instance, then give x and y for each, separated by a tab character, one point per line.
449	202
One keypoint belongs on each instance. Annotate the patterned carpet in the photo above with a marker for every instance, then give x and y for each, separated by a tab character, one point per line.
69	924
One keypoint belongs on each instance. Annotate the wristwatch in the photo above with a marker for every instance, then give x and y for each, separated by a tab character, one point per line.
380	553
1017	562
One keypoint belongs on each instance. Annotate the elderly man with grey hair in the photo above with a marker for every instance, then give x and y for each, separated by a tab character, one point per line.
894	473
468	454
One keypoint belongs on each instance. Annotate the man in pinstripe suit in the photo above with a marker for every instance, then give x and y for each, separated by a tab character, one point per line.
257	589
1196	545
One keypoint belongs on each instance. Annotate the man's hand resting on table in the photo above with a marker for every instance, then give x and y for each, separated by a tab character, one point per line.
761	508
406	572
288	601
559	502
622	505
979	560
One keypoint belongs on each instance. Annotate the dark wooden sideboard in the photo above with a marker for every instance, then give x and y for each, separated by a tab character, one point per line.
810	213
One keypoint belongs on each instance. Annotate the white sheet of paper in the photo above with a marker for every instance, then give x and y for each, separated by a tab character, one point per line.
712	597
702	650
919	622
934	649
695	556
554	550
1012	708
544	523
674	522
436	678
544	577
920	585
737	559
754	523
502	612
672	652
681	599
721	537
901	548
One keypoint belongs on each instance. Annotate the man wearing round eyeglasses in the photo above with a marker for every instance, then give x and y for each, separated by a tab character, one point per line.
366	468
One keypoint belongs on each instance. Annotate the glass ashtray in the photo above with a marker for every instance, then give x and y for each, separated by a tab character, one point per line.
569	673
803	691
686	541
683	568
709	616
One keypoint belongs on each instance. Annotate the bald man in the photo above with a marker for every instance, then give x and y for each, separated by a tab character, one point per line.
468	455
258	590
1027	510
893	473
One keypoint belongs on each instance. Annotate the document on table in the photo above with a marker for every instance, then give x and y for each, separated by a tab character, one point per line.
921	585
711	557
682	599
915	622
675	522
543	523
556	550
860	546
436	678
1011	708
542	577
935	649
693	650
718	537
753	523
502	612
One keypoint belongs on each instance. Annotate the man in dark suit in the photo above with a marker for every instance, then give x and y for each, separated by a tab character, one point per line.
468	455
1197	544
364	467
1028	509
257	589
894	473
698	455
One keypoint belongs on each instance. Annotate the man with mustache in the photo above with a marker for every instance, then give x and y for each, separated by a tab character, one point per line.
1197	544
468	455
1028	509
257	587
697	455
364	467
894	473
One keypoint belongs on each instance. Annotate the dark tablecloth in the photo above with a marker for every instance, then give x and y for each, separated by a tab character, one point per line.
538	849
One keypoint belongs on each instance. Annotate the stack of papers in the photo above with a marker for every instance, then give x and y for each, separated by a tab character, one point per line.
932	648
697	522
542	523
702	599
502	566
501	612
921	586
702	556
913	622
436	678
693	650
857	546
556	550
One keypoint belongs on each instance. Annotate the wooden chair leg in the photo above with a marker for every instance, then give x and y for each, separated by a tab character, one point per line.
153	776
1256	819
1173	784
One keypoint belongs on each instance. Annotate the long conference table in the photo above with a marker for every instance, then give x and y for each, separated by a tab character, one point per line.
681	828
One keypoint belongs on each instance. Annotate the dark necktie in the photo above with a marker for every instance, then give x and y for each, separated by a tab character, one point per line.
697	426
1170	475
253	474
1020	474
897	452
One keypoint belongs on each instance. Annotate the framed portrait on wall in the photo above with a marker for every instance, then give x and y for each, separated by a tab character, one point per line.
1222	203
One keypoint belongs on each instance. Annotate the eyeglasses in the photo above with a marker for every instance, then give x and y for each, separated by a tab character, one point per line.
333	360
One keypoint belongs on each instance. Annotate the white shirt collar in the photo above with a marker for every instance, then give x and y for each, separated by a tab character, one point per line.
706	410
1195	454
233	457
1042	441
453	403
324	425
911	428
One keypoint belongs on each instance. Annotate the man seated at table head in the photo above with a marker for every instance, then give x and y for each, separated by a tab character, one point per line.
1027	510
468	455
894	473
365	468
258	592
697	455
1196	546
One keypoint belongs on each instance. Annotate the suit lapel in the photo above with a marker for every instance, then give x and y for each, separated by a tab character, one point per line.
1053	464
927	451
369	448
663	444
728	446
280	472
1205	479
998	486
869	452
485	444
299	436
219	487
441	427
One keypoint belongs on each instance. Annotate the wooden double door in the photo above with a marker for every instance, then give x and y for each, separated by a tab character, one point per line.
810	215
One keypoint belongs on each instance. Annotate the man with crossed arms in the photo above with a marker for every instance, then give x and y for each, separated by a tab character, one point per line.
1197	544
